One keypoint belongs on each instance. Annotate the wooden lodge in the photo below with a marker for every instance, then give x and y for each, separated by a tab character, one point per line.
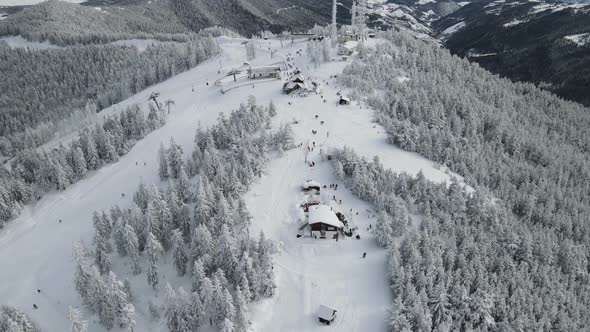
323	222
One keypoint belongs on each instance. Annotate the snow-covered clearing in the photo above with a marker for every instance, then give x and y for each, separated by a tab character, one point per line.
514	22
20	42
140	44
36	250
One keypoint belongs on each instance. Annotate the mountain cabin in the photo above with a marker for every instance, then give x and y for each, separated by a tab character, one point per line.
326	314
323	222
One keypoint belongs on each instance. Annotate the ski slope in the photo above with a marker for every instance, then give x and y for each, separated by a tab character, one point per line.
36	250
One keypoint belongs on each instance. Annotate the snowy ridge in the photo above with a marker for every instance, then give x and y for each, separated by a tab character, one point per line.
579	39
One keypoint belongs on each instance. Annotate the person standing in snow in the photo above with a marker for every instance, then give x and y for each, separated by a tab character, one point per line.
364	254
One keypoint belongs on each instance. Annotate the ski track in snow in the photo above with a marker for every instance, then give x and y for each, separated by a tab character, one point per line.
36	250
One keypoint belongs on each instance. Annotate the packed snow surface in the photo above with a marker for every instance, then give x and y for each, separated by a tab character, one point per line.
36	250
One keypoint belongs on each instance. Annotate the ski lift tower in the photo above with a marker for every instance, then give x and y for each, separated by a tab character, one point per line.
153	97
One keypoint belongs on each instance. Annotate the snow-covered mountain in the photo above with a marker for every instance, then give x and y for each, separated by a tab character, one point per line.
545	42
538	41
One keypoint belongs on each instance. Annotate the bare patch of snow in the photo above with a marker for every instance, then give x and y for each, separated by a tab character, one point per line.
513	23
20	42
454	28
579	39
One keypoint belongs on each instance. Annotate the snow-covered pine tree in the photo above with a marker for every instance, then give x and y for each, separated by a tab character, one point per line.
265	272
202	245
163	162
174	156
79	162
241	322
102	259
78	324
182	186
127	319
184	221
179	254
14	320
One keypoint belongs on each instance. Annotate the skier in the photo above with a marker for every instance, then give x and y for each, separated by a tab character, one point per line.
364	254
136	163
60	221
35	306
334	197
38	291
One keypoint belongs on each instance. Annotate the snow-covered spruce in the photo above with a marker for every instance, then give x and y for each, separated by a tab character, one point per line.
510	265
211	247
14	320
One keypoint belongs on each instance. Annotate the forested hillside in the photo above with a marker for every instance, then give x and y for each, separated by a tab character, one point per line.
197	227
42	87
514	258
526	41
68	23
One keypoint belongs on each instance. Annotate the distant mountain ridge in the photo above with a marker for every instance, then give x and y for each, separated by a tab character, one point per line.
246	17
540	41
547	43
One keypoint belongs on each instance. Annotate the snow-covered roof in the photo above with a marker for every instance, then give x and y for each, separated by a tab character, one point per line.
326	312
345	98
323	214
311	183
265	69
298	78
350	44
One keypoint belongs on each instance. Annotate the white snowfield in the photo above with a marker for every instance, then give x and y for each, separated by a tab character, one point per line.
36	250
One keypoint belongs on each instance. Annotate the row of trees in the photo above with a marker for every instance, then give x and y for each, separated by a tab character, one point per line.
41	88
34	172
520	262
198	226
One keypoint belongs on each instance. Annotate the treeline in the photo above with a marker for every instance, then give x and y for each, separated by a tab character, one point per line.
34	172
200	222
525	146
469	264
40	88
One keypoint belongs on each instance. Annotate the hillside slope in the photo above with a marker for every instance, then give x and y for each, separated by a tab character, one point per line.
540	42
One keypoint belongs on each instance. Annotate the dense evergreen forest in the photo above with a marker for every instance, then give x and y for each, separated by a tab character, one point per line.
42	87
516	253
200	222
32	172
